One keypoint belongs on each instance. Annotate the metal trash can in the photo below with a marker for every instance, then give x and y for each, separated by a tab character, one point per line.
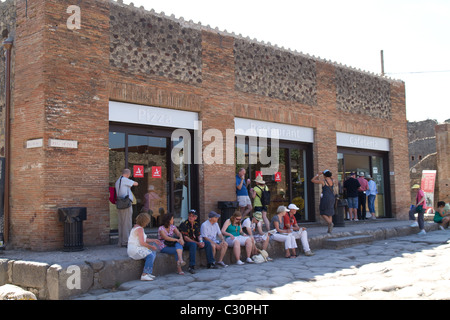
73	227
227	209
339	215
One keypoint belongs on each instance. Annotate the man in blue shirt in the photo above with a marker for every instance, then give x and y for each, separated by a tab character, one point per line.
245	204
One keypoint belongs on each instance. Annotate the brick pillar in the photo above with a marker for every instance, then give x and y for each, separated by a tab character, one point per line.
443	163
399	154
217	180
60	94
325	149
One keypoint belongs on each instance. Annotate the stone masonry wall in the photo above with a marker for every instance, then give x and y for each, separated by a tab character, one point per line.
360	93
274	73
145	43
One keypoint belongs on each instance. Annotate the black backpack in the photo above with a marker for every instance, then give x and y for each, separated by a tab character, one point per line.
265	196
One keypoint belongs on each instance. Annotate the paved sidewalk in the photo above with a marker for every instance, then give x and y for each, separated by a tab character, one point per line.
108	252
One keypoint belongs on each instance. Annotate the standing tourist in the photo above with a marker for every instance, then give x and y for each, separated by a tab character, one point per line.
371	195
362	198
420	209
327	199
245	204
352	185
261	196
123	190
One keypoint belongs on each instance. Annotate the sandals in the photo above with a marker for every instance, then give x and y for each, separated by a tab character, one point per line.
181	263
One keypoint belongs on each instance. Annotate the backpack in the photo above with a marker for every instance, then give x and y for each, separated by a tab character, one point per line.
265	196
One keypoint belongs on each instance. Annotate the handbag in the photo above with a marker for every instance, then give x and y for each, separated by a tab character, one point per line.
123	203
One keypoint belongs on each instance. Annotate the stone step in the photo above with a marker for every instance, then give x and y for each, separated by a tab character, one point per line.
345	242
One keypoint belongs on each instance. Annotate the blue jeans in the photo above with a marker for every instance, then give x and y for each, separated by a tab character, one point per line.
371	199
192	247
148	266
172	250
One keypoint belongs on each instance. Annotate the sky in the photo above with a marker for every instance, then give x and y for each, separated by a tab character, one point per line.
414	35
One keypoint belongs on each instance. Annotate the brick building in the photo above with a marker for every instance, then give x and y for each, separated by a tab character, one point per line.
88	101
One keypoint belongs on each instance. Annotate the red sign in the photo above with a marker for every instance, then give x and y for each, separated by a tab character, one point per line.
156	172
258	173
138	171
278	176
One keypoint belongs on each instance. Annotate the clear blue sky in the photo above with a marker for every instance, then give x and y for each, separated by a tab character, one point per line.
414	34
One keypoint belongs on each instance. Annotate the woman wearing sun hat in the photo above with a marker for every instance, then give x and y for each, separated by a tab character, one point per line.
420	209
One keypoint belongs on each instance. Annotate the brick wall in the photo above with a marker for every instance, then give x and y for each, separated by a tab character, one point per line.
66	78
443	163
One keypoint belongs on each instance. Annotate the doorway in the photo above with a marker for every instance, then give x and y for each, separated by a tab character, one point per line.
291	184
369	164
164	186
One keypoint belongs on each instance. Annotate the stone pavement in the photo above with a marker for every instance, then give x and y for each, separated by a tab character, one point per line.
408	267
107	272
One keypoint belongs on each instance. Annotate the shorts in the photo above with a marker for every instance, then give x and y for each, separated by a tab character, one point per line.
241	240
352	203
244	201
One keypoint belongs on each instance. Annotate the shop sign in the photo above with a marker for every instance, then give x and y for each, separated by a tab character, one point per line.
35	143
156	172
361	142
278	176
427	186
138	171
67	144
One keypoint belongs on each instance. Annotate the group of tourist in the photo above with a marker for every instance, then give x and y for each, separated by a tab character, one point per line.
245	228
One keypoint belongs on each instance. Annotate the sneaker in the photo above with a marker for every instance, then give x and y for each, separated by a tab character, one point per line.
222	264
309	253
249	260
414	224
211	266
422	232
147	277
239	263
191	270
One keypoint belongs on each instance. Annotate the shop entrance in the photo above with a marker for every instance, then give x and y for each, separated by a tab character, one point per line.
291	184
375	165
164	186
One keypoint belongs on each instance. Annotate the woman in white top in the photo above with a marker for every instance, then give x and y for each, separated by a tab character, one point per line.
139	246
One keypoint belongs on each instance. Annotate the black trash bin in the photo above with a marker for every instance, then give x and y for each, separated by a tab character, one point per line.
73	227
227	209
339	215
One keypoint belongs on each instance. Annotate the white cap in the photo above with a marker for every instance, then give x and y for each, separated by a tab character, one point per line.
293	206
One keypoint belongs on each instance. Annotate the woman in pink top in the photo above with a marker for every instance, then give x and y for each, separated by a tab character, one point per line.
420	209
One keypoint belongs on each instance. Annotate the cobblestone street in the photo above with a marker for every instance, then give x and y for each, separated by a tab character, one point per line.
411	267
